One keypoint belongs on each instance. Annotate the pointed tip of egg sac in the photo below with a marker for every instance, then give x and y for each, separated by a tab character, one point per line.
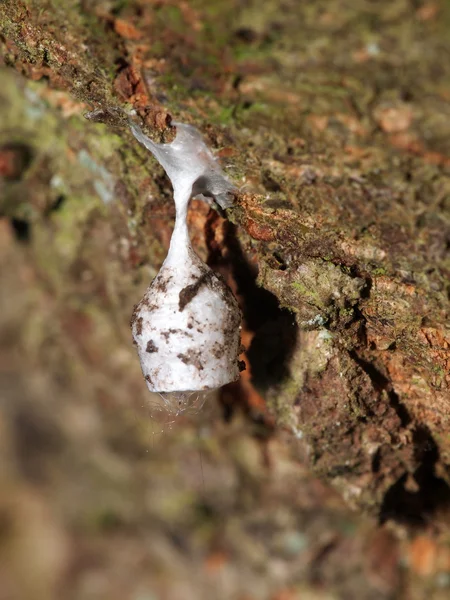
189	162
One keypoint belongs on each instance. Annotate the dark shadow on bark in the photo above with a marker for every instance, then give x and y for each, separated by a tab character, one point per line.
22	229
415	508
275	329
15	158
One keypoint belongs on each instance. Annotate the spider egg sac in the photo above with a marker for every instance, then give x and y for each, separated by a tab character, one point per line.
187	326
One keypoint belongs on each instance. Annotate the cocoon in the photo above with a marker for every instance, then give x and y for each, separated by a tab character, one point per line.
187	326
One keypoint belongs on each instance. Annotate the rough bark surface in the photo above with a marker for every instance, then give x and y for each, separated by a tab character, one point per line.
324	473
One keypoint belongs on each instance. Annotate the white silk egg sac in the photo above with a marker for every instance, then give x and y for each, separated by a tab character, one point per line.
187	326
